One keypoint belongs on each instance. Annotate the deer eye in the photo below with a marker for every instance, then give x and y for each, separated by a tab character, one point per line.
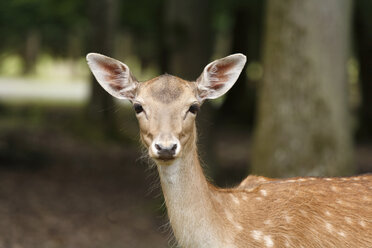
194	108
137	108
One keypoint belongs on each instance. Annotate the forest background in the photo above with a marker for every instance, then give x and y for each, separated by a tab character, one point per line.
72	172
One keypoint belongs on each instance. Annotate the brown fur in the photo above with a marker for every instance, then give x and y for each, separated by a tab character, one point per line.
165	90
307	212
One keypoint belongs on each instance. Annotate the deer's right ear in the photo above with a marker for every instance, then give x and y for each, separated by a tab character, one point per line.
114	76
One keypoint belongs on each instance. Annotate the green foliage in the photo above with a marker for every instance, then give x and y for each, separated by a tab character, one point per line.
11	65
138	19
143	20
53	20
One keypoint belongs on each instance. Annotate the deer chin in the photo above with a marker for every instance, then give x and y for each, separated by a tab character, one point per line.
165	161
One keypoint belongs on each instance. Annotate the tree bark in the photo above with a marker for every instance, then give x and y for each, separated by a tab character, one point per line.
303	124
30	51
239	104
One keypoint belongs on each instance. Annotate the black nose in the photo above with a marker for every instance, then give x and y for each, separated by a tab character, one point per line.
166	152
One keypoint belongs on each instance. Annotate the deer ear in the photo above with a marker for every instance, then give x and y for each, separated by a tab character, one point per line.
219	76
114	76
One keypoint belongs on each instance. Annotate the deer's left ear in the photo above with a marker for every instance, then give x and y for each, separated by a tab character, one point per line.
219	76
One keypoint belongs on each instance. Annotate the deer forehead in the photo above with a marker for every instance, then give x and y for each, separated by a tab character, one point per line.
167	89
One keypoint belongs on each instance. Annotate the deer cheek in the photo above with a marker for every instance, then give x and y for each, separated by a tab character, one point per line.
146	139
186	134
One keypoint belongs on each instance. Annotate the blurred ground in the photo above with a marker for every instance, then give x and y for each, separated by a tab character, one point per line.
26	89
61	191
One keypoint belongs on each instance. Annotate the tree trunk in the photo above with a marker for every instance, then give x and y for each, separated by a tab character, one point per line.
189	37
100	107
239	104
363	41
303	124
162	51
30	51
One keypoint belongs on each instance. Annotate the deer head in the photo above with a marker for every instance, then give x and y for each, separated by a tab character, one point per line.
166	106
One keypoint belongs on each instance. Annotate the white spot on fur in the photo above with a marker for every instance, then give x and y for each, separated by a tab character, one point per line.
258	198
328	179
286	243
244	197
341	233
329	227
249	189
228	214
238	226
334	188
356	178
327	213
218	199
348	220
268	241
288	218
267	222
235	199
304	213
256	234
291	181
340	202
263	192
302	180
261	179
312	178
362	223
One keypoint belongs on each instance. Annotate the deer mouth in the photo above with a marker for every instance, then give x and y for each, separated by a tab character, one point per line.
165	157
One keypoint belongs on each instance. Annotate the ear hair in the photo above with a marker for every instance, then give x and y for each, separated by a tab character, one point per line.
113	75
219	76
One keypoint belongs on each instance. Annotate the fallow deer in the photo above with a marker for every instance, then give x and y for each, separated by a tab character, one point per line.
260	212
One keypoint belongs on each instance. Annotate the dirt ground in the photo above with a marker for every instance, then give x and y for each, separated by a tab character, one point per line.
85	195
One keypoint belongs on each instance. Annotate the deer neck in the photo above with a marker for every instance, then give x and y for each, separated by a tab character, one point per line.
188	200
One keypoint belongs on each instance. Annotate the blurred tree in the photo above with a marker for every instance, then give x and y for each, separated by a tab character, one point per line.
239	105
363	42
188	37
303	120
34	26
102	15
146	27
30	50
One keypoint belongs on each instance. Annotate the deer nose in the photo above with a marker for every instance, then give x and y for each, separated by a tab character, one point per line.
166	152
